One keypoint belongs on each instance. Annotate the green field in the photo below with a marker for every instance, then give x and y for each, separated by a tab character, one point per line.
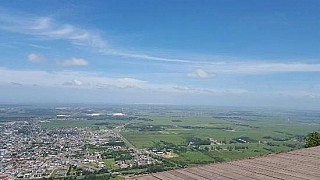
82	123
267	132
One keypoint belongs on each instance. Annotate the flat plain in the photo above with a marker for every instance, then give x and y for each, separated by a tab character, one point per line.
189	135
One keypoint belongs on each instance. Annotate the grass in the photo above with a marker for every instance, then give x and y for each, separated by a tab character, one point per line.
256	130
147	139
193	157
81	123
116	178
256	127
253	150
109	164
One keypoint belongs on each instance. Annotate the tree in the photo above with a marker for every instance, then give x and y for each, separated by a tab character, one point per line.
312	139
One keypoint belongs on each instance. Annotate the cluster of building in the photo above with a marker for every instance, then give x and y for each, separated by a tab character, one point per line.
136	161
27	150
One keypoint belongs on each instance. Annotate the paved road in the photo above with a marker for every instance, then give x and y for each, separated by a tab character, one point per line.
120	128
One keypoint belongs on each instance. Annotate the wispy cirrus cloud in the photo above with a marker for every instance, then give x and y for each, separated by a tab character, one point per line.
263	67
48	28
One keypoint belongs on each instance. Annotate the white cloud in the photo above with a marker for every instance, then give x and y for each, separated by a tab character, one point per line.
198	73
35	58
300	94
208	90
264	67
96	81
74	82
74	62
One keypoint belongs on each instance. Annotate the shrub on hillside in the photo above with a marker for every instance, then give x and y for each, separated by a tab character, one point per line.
312	139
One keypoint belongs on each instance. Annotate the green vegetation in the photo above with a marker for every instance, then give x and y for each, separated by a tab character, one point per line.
82	123
195	141
312	140
220	136
109	164
192	157
148	138
117	155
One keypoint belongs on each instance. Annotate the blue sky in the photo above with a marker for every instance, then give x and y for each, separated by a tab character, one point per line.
240	53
